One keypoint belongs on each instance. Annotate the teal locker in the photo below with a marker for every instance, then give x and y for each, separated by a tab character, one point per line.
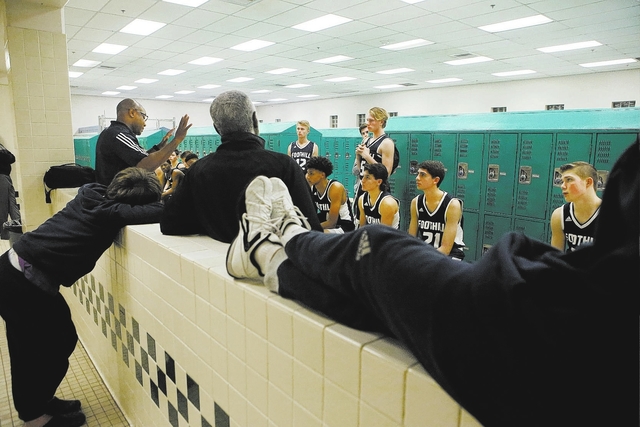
499	182
609	146
470	226
149	138
420	149
444	150
493	228
570	147
533	175
532	228
469	165
399	180
84	147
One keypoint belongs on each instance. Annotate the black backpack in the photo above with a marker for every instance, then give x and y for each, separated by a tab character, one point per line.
69	175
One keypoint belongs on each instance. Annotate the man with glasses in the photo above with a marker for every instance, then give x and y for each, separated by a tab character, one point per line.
118	147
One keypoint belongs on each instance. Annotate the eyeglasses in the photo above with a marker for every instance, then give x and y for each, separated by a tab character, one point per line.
144	116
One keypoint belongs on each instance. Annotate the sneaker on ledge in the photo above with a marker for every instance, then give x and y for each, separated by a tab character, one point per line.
256	229
283	212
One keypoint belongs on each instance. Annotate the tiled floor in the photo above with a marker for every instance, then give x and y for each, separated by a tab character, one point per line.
82	382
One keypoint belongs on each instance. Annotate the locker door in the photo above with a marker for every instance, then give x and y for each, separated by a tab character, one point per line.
470	234
444	150
534	229
609	146
469	169
493	228
325	148
500	179
420	149
399	179
570	147
533	175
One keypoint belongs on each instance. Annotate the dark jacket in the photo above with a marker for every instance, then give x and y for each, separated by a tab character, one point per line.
67	245
211	194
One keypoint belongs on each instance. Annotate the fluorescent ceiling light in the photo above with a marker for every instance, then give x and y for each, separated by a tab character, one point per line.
392	86
208	100
85	63
208	86
340	79
277	99
297	86
110	92
192	3
74	74
142	27
513	73
407	45
395	71
307	96
412	1
240	79
605	63
184	92
448	80
261	91
171	72
127	87
252	45
205	60
146	81
333	59
281	71
110	49
516	23
256	102
164	96
570	46
322	23
466	61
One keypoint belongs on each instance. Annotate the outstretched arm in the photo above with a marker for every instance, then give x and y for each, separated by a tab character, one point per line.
155	159
451	221
557	234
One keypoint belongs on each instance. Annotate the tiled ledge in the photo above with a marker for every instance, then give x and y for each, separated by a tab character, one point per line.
181	343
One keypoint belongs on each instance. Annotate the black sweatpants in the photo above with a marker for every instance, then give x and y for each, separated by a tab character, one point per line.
519	338
41	337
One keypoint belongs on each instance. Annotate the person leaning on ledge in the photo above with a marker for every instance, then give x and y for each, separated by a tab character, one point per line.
206	199
118	147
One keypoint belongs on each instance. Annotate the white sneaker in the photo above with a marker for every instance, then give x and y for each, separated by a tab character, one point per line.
283	212
256	229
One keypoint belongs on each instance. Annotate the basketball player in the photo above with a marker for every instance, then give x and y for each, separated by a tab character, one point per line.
436	217
302	149
330	197
573	223
377	205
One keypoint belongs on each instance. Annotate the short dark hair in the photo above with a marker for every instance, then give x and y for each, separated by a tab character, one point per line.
320	163
379	171
190	156
435	169
184	154
134	186
362	126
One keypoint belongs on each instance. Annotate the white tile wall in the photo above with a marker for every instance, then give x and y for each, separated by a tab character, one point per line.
261	359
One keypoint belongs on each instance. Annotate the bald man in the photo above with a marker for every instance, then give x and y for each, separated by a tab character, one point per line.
118	147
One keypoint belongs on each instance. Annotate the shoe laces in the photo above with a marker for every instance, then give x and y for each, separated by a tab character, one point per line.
287	216
270	225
